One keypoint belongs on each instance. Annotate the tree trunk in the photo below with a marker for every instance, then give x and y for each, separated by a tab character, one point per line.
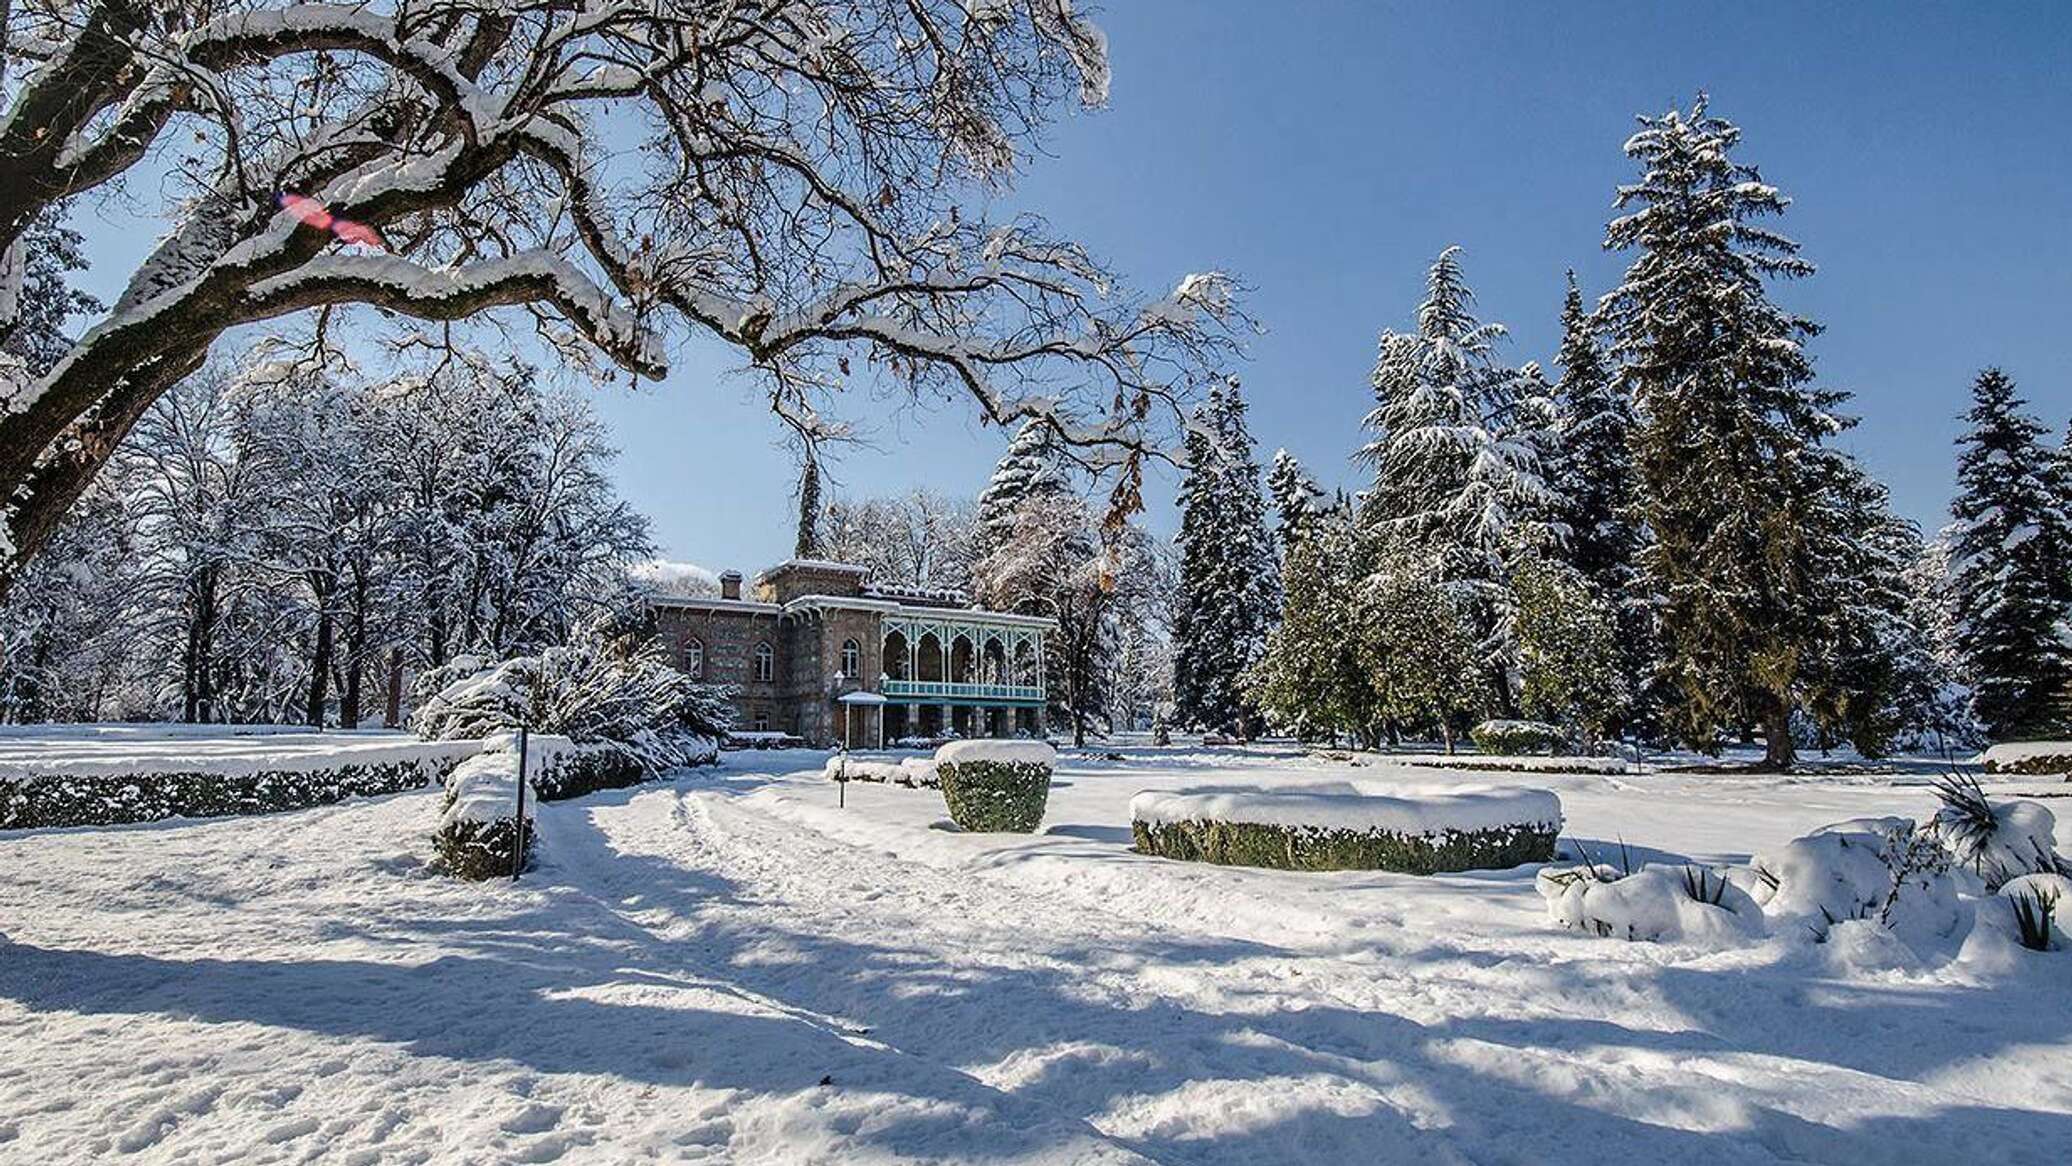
319	672
394	717
355	652
1778	753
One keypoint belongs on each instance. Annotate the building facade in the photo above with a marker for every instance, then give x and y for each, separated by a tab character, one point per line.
818	652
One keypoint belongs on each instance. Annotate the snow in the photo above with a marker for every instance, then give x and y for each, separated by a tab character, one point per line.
231	750
484	788
690	961
908	771
1355	806
1001	752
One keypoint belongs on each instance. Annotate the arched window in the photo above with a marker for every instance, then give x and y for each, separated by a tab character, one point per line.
765	663
852	659
693	657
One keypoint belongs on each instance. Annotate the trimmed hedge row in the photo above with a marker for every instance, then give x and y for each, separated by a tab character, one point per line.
573	771
989	796
115	799
2034	765
1321	848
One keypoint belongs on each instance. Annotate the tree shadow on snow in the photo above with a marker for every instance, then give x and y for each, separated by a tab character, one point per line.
568	984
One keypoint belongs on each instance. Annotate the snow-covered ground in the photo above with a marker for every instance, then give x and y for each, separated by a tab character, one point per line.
46	750
732	968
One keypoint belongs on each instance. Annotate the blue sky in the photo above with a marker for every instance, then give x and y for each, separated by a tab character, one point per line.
1326	151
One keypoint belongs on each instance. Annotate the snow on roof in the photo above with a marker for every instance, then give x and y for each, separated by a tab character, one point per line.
813	565
662	577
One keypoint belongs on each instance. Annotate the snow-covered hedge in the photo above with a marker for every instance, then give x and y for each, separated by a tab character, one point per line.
1514	737
478	829
995	785
1880	889
1343	826
190	779
2029	757
912	772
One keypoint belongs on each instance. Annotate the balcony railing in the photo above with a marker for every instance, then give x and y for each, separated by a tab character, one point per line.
958	689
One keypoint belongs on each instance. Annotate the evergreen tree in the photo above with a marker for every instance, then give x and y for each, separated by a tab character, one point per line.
1718	378
1594	481
1228	592
2008	543
1567	655
1031	468
1312	677
1295	501
1456	461
1420	654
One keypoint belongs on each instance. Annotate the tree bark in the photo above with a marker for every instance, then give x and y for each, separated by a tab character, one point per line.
1778	751
319	672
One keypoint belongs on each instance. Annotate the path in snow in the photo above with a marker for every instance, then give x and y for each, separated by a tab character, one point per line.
693	960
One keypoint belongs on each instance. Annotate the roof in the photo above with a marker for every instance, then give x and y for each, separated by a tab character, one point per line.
813	565
715	603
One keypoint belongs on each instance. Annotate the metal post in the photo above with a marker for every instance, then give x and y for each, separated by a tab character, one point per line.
518	851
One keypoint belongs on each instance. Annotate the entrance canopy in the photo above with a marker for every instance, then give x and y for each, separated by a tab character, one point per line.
860	698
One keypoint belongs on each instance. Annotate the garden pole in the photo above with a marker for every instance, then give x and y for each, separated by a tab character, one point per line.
518	851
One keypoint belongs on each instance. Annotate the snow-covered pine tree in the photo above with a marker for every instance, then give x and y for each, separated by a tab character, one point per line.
1312	677
1031	468
1228	596
1718	377
1297	501
2010	523
1594	481
1456	463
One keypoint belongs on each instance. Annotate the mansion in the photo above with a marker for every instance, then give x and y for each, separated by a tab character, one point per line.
819	652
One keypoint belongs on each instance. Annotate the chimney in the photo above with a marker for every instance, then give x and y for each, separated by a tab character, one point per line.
730	585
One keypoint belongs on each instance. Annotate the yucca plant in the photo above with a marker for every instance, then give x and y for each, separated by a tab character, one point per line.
1965	822
2032	916
1703	886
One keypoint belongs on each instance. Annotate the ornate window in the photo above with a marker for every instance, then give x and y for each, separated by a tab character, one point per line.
852	659
693	657
765	663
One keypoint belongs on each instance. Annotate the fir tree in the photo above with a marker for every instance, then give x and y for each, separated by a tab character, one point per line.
1031	468
1594	481
1456	461
1718	378
2007	543
1295	501
1228	593
1311	677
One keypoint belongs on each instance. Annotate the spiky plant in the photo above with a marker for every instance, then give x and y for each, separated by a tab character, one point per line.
1703	886
1965	821
2032	916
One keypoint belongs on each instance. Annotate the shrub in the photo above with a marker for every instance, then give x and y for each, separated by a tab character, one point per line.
620	690
1515	737
1324	848
2033	909
479	832
995	785
117	798
986	796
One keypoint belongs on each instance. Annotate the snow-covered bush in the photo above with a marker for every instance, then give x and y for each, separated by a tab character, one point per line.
1995	842
1516	737
911	772
2040	905
2029	757
995	785
478	829
620	691
1343	826
1688	904
1880	889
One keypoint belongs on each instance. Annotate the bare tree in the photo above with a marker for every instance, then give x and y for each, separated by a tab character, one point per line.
795	194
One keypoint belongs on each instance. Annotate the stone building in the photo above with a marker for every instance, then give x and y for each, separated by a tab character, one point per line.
817	651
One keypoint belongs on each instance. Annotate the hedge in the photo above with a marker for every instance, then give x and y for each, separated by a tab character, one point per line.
575	770
115	799
480	850
1322	848
989	796
1515	737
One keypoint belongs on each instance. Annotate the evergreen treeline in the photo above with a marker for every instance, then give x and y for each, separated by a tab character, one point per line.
1665	542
